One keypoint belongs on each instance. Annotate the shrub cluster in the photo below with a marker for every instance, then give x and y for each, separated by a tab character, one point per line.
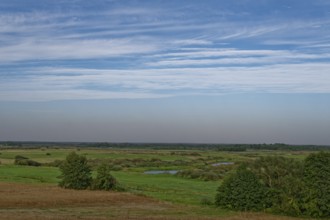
24	161
281	185
76	174
207	173
242	191
104	180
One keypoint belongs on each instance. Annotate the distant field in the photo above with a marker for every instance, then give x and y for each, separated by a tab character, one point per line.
31	192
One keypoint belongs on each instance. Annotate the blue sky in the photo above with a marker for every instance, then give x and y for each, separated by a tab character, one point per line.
165	71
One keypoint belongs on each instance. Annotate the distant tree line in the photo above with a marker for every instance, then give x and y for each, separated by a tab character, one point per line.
220	147
280	185
168	146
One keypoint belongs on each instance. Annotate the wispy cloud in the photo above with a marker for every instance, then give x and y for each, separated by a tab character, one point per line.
78	49
231	56
70	83
161	51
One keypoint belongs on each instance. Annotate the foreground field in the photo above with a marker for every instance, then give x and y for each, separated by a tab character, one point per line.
28	192
27	201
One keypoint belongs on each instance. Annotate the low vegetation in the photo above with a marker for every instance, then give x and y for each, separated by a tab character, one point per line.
209	183
24	161
280	185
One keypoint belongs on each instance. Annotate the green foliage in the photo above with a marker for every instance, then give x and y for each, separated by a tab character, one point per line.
206	175
76	174
27	163
242	191
283	178
317	178
292	187
24	161
104	180
290	197
206	172
274	170
55	163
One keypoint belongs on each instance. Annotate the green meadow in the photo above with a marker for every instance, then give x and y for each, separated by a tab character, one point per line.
161	186
129	165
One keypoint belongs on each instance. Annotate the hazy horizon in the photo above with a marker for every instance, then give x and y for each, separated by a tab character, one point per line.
165	71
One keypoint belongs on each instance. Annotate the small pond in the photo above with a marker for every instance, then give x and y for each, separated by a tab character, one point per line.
161	172
222	164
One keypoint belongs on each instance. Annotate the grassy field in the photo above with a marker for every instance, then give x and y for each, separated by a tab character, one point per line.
32	193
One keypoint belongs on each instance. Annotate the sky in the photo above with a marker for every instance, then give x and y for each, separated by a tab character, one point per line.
188	71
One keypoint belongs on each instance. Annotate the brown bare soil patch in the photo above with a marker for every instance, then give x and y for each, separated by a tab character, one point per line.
24	201
32	196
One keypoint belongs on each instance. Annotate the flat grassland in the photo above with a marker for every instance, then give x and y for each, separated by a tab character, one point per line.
32	193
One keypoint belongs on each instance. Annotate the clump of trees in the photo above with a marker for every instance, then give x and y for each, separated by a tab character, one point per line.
278	184
77	174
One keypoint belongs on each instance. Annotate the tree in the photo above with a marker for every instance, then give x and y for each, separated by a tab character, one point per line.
317	179
104	180
242	191
76	174
274	170
290	197
283	177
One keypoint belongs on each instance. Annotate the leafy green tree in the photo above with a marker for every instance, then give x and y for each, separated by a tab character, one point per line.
317	178
242	191
104	180
76	174
290	197
283	177
273	170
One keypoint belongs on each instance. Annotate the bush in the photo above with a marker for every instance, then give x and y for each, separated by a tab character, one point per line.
206	173
317	179
27	162
76	174
24	161
104	180
273	170
290	198
242	191
283	177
